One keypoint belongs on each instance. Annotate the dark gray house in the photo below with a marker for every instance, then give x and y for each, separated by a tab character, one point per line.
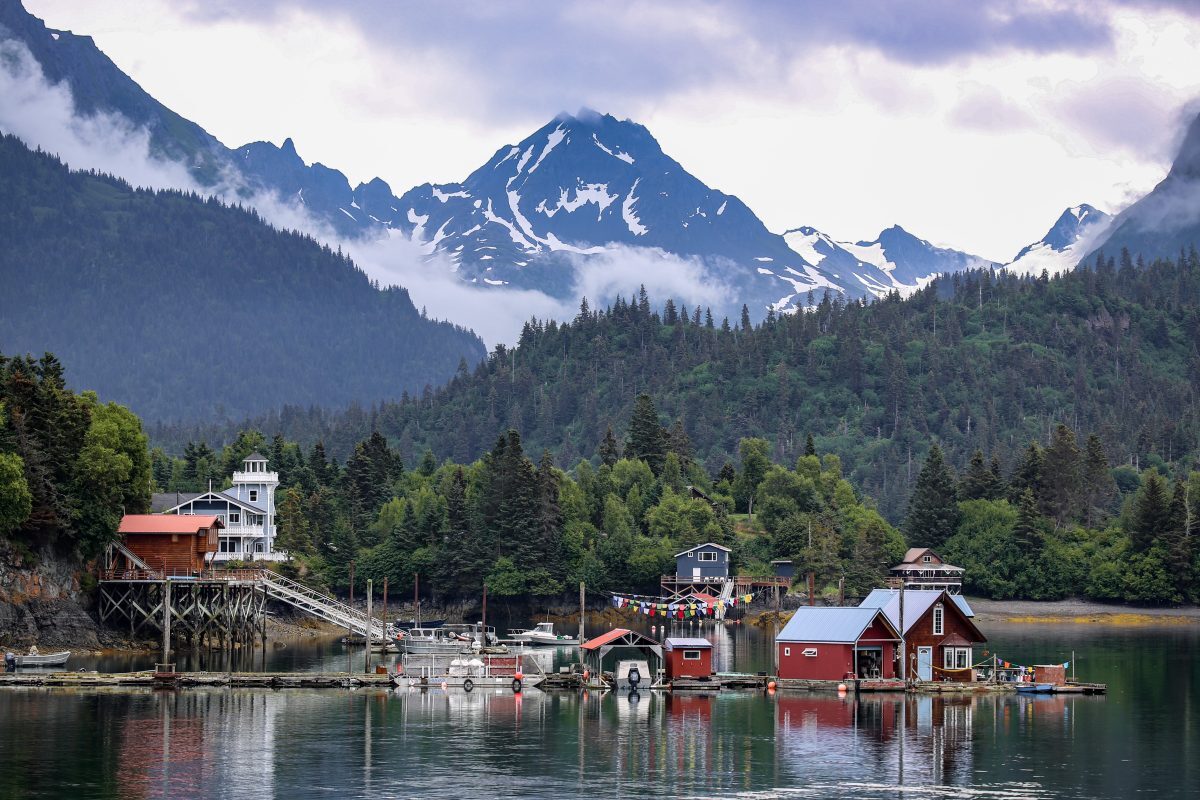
704	562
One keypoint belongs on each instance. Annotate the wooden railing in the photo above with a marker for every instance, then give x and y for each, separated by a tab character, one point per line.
181	575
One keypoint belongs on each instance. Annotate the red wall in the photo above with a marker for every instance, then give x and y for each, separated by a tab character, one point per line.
832	661
921	635
678	668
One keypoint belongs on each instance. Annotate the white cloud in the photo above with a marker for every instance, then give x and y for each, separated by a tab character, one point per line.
43	115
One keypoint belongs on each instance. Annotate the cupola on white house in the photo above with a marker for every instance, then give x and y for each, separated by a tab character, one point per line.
246	509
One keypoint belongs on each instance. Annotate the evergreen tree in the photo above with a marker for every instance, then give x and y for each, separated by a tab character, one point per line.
1061	476
610	451
646	439
1151	513
810	448
679	443
755	463
979	482
933	513
1027	475
1098	484
1027	531
550	522
293	533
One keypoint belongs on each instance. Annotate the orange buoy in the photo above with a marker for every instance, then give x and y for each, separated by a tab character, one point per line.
841	688
771	686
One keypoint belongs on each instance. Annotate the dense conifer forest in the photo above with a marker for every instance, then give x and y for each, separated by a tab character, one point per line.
979	361
186	308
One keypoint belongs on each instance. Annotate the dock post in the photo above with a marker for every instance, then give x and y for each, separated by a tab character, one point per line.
370	627
166	620
385	606
582	608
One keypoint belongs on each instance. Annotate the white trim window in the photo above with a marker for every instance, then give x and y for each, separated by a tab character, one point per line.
956	657
926	559
254	495
787	651
235	516
939	620
691	655
707	556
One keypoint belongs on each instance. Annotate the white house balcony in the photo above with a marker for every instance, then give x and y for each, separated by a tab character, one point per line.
255	531
255	477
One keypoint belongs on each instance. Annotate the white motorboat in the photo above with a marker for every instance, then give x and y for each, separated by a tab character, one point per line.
542	635
36	659
451	640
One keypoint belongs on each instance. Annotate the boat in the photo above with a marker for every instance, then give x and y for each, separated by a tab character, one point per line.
542	635
36	659
408	625
451	639
1036	688
467	672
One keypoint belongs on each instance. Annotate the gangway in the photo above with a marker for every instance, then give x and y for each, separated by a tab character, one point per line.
320	605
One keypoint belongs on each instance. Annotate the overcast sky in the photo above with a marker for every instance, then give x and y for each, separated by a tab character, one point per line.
971	124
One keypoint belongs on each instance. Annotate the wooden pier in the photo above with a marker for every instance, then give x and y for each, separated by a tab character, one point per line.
152	679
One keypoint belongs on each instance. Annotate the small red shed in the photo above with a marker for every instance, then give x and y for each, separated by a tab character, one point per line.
175	544
688	658
833	644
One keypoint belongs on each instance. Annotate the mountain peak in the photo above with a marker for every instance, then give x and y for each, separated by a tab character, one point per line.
288	148
1187	162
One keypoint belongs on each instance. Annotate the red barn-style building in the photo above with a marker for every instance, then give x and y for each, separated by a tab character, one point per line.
688	658
939	632
833	644
175	544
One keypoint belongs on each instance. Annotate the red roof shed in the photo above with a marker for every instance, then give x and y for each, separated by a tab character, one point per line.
688	658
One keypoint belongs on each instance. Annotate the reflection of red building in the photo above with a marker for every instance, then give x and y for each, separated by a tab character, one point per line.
830	644
690	707
162	755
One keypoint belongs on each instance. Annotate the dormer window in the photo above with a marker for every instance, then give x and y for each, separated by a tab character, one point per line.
927	558
939	620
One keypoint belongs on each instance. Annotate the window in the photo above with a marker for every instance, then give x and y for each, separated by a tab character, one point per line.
707	556
927	558
787	651
254	495
226	545
939	620
691	655
234	516
956	657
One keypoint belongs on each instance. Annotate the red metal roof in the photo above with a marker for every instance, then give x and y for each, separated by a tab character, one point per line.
166	523
604	638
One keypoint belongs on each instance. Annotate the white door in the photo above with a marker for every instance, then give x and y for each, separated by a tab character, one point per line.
695	572
925	663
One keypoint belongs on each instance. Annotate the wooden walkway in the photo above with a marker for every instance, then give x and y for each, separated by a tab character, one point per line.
268	680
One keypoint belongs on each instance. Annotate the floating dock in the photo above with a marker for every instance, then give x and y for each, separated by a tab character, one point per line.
170	680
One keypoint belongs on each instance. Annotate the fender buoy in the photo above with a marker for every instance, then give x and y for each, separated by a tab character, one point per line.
516	685
771	686
468	685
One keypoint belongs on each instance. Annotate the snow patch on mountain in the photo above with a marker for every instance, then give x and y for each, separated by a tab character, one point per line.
1066	243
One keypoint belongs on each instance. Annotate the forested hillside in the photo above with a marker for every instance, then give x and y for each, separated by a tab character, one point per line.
185	308
981	361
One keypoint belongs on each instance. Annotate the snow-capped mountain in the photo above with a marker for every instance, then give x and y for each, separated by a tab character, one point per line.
895	260
1165	222
590	184
1064	245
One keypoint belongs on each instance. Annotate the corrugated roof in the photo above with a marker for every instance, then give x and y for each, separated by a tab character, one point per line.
916	552
635	639
677	641
706	544
166	523
916	603
819	624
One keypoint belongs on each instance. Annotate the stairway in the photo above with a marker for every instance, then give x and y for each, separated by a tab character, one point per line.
725	596
327	608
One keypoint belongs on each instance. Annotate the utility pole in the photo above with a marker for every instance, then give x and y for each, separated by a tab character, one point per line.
370	627
582	607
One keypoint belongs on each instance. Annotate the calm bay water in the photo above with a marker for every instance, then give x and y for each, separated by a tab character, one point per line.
1143	739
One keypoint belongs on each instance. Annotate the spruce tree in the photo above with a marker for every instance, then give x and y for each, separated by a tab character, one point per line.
610	451
933	513
646	439
979	483
810	447
1098	485
1027	532
1027	475
1061	476
1151	513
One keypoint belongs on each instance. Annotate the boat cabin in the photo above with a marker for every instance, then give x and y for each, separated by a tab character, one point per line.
175	545
704	562
939	631
833	644
688	658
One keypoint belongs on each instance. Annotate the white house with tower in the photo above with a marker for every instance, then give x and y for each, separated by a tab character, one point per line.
246	509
